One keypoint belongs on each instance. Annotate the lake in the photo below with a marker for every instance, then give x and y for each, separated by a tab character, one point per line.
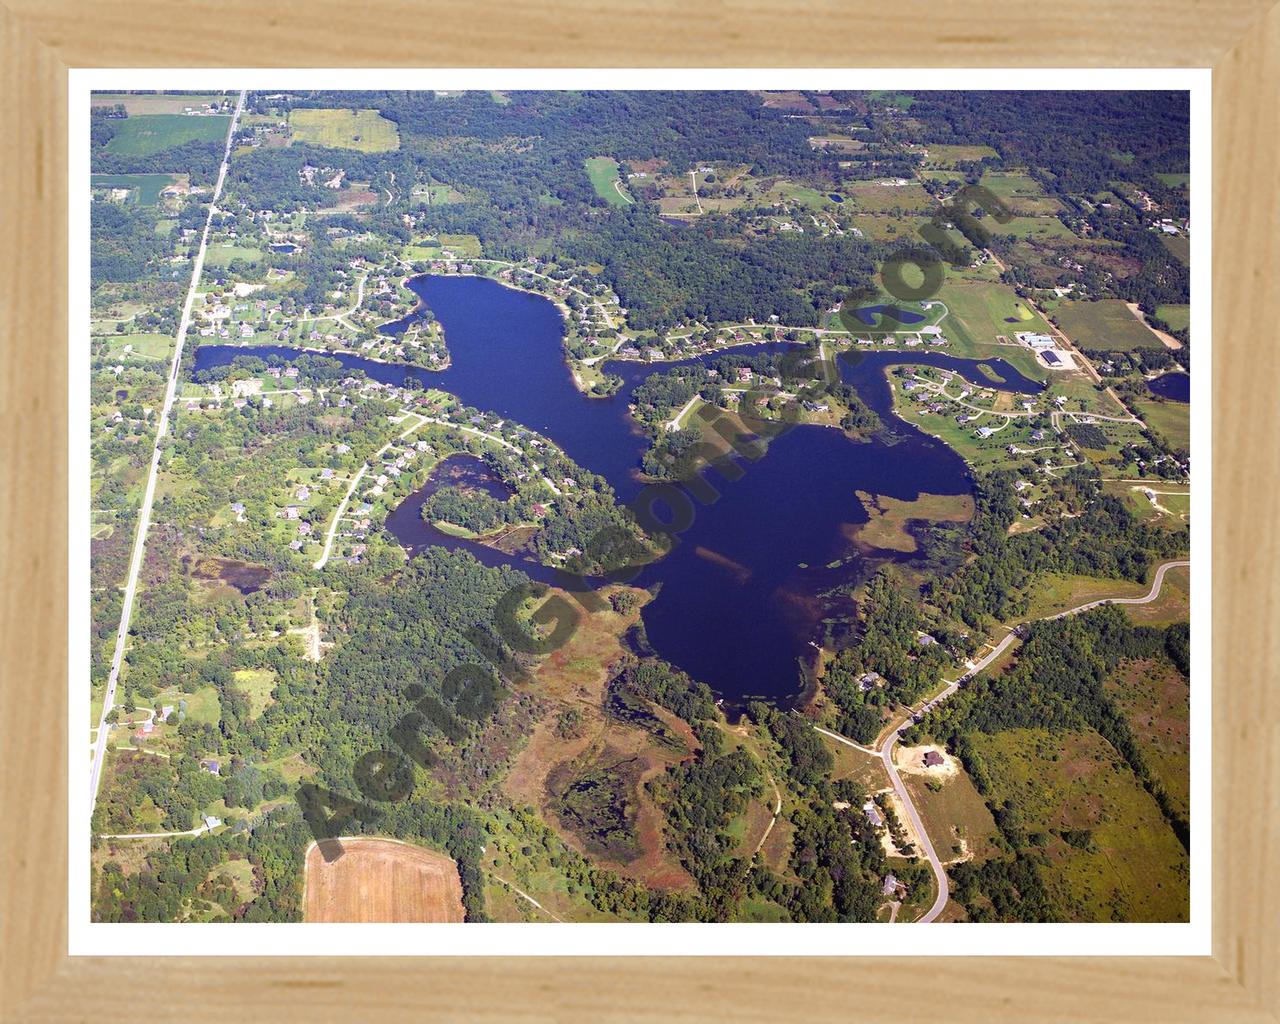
1174	386
867	314
738	597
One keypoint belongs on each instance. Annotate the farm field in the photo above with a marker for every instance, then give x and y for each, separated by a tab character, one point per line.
147	186
603	172
1172	419
151	133
381	880
1128	864
1105	325
363	130
155	103
1021	193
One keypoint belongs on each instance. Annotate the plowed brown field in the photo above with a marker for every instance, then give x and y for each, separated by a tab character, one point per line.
381	880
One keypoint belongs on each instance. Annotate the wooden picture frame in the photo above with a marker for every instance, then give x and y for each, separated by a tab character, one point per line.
42	39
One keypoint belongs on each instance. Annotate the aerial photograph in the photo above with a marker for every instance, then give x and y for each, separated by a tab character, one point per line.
638	506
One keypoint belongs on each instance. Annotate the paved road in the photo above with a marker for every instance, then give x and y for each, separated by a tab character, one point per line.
144	513
886	748
340	511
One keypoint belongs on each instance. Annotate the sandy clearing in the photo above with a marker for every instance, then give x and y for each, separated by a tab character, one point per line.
910	761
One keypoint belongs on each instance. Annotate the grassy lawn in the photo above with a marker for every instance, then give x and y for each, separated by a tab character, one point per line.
1175	180
203	706
1131	866
888	228
151	133
1173	604
363	130
146	187
1106	325
603	172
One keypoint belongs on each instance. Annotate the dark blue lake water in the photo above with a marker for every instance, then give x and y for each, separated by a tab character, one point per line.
1174	386
738	599
868	314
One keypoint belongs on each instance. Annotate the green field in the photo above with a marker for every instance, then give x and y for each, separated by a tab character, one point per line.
1132	868
1105	325
955	816
1180	246
1172	419
869	197
222	255
1175	180
1155	699
144	346
257	684
603	172
363	130
1177	317
151	133
979	312
901	100
1025	225
146	187
1021	192
949	156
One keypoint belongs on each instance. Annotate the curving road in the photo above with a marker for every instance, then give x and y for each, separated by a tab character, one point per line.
886	748
148	496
